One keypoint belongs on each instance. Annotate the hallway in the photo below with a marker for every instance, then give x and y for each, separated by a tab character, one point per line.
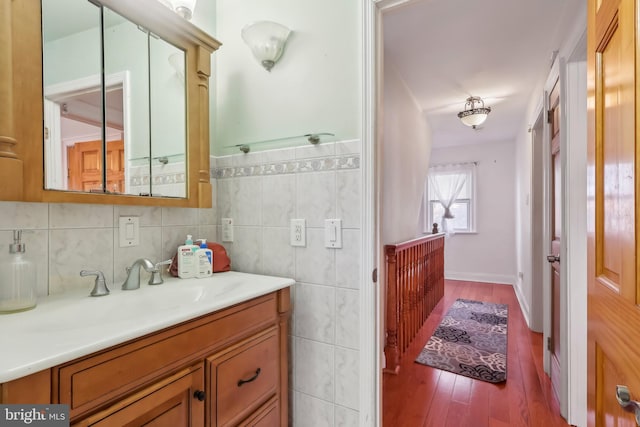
424	396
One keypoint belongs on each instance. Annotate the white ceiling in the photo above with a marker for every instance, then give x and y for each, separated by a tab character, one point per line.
500	50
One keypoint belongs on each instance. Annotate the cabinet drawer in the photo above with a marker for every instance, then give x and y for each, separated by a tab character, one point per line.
169	402
244	377
99	379
267	416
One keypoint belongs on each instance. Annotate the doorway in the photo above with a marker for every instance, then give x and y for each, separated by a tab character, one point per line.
576	92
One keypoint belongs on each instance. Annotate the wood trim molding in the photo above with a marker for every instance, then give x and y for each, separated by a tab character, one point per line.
20	48
11	168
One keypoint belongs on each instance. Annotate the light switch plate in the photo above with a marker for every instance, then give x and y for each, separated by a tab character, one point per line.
227	229
298	232
333	233
129	231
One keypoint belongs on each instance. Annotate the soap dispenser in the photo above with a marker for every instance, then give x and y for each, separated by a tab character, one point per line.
17	278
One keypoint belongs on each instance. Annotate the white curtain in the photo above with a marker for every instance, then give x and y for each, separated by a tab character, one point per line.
447	191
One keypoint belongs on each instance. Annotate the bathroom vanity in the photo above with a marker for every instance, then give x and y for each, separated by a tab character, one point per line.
189	352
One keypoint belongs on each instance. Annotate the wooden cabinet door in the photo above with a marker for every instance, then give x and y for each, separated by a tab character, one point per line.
612	214
172	402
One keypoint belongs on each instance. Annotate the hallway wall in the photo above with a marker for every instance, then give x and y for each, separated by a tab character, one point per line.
405	161
489	255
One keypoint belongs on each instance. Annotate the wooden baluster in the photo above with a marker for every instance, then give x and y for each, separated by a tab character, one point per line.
415	285
392	364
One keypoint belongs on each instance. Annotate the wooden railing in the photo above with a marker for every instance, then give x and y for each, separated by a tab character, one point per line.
415	284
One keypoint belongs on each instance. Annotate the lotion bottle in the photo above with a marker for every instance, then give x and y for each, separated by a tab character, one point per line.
187	266
17	278
204	260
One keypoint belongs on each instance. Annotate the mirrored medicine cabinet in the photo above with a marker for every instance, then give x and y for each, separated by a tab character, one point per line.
110	103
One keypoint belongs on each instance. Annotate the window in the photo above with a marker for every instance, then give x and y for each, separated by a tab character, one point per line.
452	186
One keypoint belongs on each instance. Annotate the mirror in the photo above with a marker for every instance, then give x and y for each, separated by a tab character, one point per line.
114	104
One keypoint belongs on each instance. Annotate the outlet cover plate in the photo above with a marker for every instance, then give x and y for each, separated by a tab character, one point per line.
298	232
227	229
333	233
129	231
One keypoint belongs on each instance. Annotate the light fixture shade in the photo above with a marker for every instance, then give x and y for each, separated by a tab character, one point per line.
266	40
184	8
474	116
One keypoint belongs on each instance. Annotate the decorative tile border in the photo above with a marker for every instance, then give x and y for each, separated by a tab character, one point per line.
140	175
351	161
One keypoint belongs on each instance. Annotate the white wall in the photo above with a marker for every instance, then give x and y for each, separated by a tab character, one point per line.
489	254
315	87
405	161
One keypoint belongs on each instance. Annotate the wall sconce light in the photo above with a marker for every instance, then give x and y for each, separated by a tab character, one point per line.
266	40
184	8
474	113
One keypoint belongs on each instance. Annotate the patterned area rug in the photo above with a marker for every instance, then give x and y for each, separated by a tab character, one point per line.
471	340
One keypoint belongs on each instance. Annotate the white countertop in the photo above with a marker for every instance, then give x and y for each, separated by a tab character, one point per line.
70	325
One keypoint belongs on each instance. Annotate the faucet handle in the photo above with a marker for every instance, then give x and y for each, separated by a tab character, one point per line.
100	286
156	273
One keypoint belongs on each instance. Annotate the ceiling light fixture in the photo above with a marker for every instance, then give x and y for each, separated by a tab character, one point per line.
475	113
266	40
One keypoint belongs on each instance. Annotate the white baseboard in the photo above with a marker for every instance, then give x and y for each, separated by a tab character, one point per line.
503	279
524	305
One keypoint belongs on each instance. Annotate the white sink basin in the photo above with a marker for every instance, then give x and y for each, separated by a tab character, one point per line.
122	307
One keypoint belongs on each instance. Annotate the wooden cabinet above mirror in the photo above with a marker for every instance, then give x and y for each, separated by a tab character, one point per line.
22	111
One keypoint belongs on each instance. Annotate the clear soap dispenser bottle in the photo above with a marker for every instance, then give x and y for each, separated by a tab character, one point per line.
17	278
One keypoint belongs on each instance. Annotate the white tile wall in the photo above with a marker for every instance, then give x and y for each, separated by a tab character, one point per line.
346	417
315	312
262	191
310	182
316	197
309	411
314	368
63	239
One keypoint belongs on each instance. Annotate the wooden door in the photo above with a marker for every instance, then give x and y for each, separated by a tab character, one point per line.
85	166
614	293
554	345
115	167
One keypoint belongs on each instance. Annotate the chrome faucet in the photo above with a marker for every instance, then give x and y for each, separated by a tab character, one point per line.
156	274
133	273
100	286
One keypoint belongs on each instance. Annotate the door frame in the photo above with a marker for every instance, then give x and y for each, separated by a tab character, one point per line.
570	70
371	333
575	241
553	77
59	91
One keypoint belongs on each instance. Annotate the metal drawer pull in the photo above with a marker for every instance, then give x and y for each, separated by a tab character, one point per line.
253	378
200	395
624	399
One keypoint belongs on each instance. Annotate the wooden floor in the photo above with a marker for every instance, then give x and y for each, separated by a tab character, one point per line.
424	396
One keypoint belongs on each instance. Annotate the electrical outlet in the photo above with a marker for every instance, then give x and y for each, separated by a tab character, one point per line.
298	232
227	229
